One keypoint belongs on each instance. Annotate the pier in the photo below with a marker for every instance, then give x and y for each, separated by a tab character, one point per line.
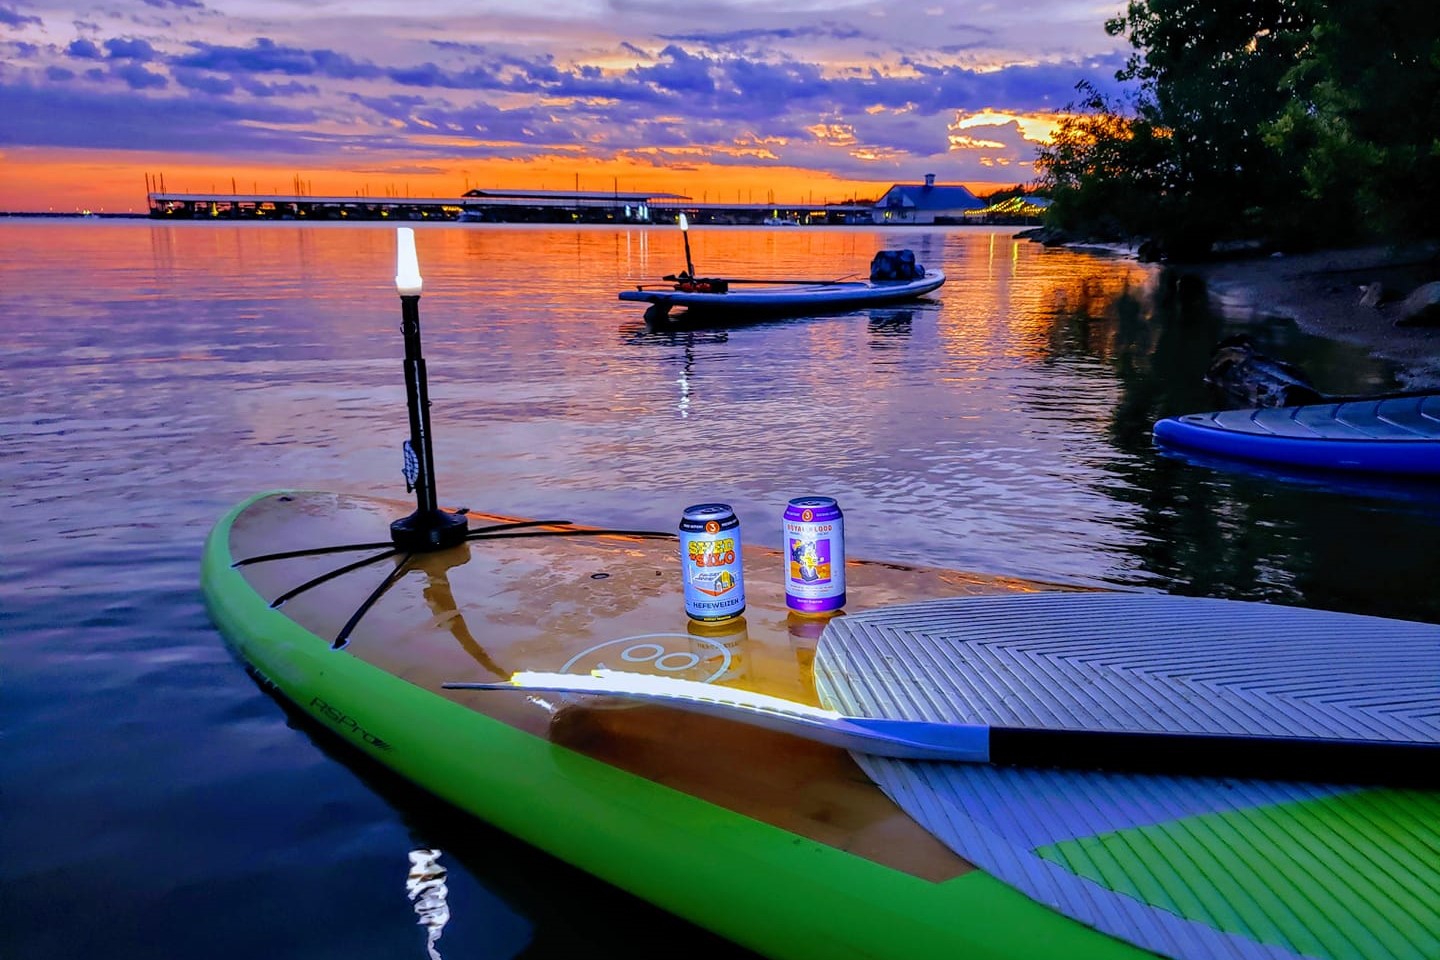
503	206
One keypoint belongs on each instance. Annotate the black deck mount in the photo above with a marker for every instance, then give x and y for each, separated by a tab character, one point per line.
429	527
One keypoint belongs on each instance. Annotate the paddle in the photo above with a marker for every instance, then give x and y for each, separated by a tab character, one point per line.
842	281
1330	760
689	274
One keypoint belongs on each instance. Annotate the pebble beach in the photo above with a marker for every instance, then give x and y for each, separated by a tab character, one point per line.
1324	293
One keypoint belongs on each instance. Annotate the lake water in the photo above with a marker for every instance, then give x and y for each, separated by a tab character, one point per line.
155	803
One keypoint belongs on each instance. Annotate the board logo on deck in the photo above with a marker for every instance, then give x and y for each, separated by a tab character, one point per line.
688	656
347	723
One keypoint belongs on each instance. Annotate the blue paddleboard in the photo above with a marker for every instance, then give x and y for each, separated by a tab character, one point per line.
1399	435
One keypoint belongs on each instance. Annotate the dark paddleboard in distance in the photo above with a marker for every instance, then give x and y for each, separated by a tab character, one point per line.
790	298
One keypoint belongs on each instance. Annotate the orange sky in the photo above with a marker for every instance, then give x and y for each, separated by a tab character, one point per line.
65	181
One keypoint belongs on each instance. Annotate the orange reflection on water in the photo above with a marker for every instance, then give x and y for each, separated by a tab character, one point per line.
1003	297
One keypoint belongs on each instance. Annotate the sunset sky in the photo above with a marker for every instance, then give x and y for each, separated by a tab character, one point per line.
745	99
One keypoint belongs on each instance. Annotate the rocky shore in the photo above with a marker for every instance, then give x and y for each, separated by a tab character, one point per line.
1384	299
1375	297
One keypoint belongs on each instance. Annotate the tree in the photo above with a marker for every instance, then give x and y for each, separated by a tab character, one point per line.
1210	73
1364	114
1103	169
1296	121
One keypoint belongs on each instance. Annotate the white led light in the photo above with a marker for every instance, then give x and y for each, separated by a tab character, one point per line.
407	264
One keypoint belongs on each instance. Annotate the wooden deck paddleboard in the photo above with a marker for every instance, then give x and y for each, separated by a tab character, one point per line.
785	846
779	844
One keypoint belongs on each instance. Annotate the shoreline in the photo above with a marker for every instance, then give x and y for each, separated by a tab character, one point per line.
1322	291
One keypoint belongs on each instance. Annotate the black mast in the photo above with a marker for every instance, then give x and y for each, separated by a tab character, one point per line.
429	527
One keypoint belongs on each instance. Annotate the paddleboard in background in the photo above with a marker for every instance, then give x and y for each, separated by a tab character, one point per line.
783	844
895	277
787	298
1398	436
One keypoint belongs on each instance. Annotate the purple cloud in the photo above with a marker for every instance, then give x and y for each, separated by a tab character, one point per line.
83	49
756	89
741	38
138	78
138	50
265	56
11	17
202	82
679	72
258	88
65	117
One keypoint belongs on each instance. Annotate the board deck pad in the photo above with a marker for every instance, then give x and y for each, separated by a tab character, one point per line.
1183	866
1409	419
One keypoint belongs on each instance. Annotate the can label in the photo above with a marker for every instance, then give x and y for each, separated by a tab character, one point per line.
814	555
710	562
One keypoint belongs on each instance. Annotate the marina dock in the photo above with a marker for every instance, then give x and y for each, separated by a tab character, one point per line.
502	206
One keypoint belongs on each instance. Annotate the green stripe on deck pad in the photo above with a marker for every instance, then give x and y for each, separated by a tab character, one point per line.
1355	875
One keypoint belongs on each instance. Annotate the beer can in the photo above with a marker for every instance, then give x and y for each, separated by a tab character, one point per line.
814	555
710	562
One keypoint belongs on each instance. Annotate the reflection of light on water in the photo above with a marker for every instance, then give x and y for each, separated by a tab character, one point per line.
425	886
684	378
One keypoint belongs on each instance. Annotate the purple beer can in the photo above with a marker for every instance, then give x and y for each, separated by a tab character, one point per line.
814	555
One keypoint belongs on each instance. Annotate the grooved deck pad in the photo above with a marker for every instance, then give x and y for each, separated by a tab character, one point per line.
1186	867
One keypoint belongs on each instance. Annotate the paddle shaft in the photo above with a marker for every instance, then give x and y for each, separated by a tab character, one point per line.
809	282
1315	759
1329	760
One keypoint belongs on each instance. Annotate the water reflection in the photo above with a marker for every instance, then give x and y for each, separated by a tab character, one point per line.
1240	531
440	598
1005	429
889	329
686	340
425	886
1419	492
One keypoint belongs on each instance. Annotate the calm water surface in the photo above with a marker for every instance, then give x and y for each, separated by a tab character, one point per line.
156	803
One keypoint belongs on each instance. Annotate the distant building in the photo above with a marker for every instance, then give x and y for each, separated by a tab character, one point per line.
914	203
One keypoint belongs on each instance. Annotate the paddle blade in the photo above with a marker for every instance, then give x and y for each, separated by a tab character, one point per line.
886	738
